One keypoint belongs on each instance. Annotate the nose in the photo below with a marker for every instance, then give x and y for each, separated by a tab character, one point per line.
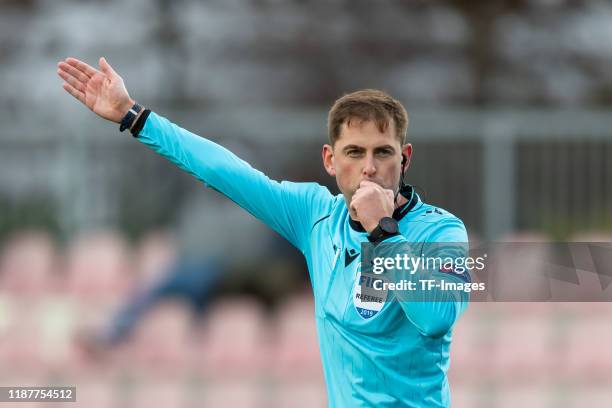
369	167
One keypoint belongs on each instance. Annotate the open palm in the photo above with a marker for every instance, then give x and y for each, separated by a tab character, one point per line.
102	91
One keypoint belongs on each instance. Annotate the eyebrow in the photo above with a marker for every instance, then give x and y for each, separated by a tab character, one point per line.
361	148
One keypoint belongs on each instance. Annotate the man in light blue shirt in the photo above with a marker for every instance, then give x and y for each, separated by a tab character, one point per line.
376	352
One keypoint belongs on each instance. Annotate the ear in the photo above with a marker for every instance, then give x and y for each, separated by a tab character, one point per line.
406	156
328	159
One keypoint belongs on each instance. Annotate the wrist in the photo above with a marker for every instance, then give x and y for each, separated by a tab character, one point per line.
369	227
136	119
139	123
131	117
387	227
374	222
124	108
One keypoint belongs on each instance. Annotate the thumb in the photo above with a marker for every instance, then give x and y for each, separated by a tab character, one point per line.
106	68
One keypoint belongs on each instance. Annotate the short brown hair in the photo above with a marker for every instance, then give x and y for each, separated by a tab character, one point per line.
367	105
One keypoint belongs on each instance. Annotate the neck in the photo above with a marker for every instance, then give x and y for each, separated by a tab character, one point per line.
400	201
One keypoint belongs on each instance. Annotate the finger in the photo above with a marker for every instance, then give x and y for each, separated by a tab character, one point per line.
81	66
367	184
361	193
73	71
390	194
365	190
75	83
106	68
74	92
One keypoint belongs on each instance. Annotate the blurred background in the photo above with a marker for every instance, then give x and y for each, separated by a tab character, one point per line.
127	278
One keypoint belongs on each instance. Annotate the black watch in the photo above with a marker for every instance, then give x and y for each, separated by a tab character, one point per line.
387	227
129	117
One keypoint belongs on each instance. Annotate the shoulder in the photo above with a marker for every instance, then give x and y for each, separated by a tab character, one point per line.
438	224
311	197
310	186
311	192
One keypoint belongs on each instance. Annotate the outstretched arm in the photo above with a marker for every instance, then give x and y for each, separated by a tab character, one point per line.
286	207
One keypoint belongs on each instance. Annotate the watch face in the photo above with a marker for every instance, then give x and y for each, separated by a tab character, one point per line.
389	225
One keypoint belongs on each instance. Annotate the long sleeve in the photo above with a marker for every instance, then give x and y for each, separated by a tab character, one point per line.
288	208
433	311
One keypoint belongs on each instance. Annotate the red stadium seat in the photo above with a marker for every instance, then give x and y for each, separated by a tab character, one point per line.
525	396
153	256
98	267
158	347
296	353
587	355
21	350
235	394
152	394
235	341
525	349
28	264
474	341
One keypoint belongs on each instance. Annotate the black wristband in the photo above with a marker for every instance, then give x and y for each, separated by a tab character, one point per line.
129	117
140	122
387	227
381	237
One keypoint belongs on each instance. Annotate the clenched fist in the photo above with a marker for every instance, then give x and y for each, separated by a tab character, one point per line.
370	203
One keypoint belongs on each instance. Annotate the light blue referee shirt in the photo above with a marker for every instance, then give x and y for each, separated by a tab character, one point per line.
379	353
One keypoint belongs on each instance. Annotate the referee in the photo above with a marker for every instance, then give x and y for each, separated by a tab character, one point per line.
375	352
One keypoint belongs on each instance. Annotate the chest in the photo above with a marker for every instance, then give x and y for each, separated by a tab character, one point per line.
343	293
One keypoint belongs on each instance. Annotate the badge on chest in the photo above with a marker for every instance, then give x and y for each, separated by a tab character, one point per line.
367	300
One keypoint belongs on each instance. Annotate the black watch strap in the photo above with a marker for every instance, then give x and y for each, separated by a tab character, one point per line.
142	119
129	117
387	227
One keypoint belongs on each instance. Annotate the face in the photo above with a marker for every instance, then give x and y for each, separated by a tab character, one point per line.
362	152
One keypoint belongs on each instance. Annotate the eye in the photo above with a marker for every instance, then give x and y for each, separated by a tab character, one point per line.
353	153
385	153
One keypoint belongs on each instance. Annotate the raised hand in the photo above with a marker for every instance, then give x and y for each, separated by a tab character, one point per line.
102	90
